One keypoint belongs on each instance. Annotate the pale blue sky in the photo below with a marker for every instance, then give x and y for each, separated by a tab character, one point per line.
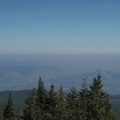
59	26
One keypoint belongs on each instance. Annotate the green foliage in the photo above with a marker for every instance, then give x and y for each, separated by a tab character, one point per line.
99	105
18	98
89	103
72	102
41	99
61	110
30	111
41	94
83	102
9	113
35	103
51	103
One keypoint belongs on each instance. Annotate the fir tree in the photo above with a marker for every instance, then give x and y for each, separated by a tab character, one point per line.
99	105
83	102
61	113
9	113
30	112
72	102
87	104
51	103
41	98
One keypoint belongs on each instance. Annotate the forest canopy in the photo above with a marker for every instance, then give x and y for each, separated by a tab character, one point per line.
88	103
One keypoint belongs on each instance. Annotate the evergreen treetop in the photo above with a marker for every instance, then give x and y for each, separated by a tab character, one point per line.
9	113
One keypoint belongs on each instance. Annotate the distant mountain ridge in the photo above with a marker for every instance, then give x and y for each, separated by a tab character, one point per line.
16	77
19	77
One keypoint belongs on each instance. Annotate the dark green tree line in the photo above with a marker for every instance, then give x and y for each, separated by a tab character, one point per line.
89	103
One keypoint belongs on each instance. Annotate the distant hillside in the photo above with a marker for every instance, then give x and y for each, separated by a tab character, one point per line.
115	101
20	77
18	98
111	80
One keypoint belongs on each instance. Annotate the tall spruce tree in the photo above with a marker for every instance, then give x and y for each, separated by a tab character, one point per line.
72	104
9	113
41	99
51	104
99	105
83	102
30	112
61	112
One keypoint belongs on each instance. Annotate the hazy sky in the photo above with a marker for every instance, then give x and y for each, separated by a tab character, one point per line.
60	26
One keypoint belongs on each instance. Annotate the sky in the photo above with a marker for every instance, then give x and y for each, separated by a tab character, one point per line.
59	26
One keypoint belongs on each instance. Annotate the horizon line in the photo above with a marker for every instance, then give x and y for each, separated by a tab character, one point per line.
56	53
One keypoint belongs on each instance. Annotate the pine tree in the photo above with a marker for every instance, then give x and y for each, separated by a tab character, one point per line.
51	104
61	113
83	102
72	102
41	99
30	112
9	113
99	105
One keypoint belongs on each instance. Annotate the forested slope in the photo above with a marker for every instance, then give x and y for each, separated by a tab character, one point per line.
88	102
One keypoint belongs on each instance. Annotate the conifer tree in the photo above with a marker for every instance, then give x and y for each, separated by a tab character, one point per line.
41	98
83	102
9	113
30	112
51	104
99	105
61	113
72	102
